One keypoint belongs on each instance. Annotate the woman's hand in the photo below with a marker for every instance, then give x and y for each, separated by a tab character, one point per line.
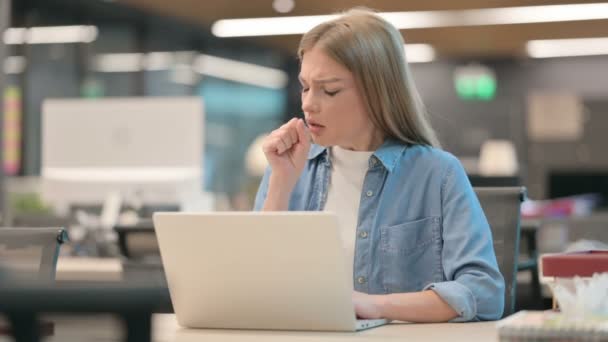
367	306
286	150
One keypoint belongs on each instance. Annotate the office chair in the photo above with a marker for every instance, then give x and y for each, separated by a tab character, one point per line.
494	181
31	252
501	206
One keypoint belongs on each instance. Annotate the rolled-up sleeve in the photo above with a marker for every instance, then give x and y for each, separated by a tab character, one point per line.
474	287
260	196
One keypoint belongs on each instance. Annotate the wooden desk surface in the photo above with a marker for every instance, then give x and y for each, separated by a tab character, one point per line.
167	330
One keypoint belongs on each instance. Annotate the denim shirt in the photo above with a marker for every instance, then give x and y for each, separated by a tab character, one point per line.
420	226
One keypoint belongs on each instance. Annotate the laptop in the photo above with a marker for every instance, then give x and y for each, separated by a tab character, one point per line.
258	270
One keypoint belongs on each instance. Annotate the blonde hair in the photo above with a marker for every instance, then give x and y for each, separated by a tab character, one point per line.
373	50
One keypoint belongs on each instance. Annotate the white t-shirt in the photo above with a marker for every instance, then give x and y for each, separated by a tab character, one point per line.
344	194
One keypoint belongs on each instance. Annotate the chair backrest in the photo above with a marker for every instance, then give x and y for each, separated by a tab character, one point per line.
31	252
501	206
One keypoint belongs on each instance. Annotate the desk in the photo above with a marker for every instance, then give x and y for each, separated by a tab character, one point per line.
165	329
89	327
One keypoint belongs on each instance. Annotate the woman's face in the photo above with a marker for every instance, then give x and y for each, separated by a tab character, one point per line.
333	106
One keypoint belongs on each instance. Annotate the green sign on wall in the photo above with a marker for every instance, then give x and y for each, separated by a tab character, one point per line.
475	82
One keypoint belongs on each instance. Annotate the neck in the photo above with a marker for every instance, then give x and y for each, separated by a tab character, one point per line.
370	143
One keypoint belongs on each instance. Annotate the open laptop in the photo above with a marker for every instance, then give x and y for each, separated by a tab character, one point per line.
258	270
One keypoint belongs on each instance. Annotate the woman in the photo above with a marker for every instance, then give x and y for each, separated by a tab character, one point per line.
420	244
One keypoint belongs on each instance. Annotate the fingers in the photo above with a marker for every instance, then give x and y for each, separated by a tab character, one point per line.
303	132
281	145
274	144
283	138
292	129
288	133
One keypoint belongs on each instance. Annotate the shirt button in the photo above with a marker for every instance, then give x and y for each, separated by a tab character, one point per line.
369	193
361	280
363	234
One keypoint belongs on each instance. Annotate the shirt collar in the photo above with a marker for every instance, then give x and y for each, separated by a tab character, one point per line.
388	153
315	151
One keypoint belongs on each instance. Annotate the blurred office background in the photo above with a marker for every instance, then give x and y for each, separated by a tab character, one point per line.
517	90
488	81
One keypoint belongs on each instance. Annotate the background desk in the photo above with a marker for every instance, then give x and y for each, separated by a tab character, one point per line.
107	269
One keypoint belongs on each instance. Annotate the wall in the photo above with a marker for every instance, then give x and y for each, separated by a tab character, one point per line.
66	71
462	126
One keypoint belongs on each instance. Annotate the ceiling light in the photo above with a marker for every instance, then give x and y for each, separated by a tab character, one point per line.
14	65
50	35
283	6
267	26
135	62
156	61
567	47
179	62
118	62
183	74
419	19
13	36
419	53
241	72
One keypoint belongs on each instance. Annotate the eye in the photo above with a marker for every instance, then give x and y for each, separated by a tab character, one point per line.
331	93
304	89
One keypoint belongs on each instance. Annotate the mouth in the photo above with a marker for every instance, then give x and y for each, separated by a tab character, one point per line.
314	127
313	124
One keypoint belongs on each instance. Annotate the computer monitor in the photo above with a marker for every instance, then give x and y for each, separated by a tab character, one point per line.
152	148
563	183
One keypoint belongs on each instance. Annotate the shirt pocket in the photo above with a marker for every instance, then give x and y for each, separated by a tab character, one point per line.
411	255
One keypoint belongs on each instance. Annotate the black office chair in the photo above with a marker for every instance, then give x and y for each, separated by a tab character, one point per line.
501	206
31	252
494	181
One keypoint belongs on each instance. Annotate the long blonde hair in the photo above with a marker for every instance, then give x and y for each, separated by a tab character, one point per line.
373	50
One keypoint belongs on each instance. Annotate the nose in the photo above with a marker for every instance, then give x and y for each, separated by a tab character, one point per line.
309	103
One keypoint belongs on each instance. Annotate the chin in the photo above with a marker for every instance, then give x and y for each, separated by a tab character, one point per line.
321	142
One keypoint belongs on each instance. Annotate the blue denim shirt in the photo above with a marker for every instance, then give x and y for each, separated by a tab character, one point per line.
420	227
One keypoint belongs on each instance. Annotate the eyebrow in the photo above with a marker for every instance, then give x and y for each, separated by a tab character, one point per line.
326	80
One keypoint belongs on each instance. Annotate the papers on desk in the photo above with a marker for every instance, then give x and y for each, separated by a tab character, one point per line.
89	269
549	326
